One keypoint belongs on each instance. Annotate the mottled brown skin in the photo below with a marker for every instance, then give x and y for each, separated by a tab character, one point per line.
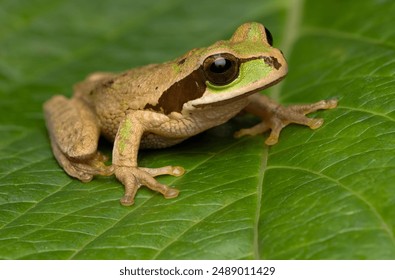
160	105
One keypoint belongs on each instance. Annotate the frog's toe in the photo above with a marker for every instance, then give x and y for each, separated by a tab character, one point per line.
315	123
165	170
127	200
82	176
134	177
178	171
305	109
171	193
255	130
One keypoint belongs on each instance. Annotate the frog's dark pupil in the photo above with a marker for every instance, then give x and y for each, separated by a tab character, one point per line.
269	37
220	65
221	69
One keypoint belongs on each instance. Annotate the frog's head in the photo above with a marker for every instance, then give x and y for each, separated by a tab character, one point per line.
245	64
224	72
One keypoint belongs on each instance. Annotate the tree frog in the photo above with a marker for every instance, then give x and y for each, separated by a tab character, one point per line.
160	105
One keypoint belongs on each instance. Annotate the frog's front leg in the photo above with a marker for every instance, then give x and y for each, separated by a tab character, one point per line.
275	116
126	146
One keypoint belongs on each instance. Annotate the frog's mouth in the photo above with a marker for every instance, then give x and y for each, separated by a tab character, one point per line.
237	97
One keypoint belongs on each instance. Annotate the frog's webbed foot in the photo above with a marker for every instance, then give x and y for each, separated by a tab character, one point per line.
84	170
135	177
276	117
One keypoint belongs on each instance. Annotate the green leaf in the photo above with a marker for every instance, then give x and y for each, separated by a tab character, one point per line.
323	194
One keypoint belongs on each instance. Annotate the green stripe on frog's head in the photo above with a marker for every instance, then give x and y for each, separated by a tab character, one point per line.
252	32
249	71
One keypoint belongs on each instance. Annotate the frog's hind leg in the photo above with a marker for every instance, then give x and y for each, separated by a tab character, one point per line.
74	134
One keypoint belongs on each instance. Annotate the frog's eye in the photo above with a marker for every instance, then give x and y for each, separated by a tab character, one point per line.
269	37
221	69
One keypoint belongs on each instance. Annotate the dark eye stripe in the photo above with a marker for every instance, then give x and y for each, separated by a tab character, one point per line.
189	88
193	87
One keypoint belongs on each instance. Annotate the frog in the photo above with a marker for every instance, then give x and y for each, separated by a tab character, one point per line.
160	105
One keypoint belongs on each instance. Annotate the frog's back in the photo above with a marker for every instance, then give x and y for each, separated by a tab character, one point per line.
87	86
111	96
